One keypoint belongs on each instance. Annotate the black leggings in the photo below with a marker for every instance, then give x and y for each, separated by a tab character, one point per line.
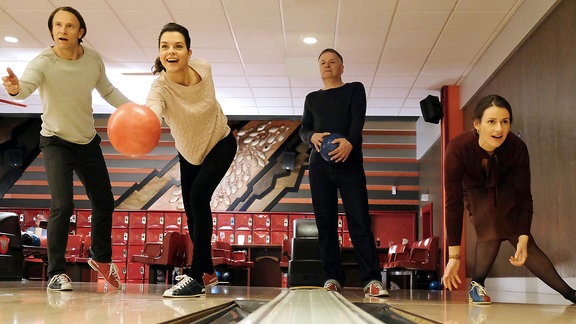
537	262
198	185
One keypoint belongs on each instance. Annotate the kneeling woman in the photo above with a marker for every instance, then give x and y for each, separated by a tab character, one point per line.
488	172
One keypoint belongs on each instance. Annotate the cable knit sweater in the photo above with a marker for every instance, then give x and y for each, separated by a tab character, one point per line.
195	117
65	87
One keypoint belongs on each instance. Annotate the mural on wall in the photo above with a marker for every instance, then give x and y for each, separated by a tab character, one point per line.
257	142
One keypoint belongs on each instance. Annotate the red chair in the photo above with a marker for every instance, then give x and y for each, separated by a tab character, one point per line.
240	260
423	257
398	252
73	248
186	250
221	253
85	254
162	255
224	256
286	254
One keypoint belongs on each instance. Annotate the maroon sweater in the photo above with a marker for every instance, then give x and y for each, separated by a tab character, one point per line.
494	189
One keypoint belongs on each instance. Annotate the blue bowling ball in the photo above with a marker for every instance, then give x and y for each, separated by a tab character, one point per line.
434	285
29	238
226	276
327	146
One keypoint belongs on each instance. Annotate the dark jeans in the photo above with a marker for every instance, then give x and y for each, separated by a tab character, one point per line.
61	160
349	178
198	185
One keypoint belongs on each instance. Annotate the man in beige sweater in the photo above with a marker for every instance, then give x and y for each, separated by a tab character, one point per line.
65	75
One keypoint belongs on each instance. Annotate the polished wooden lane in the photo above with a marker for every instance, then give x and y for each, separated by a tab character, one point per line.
29	302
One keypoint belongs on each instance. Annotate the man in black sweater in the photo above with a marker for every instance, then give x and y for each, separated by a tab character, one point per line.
340	108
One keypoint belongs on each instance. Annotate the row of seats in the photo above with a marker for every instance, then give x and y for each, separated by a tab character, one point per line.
405	259
77	251
222	254
175	251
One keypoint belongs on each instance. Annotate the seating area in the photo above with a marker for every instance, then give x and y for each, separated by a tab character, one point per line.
404	260
223	254
255	248
175	251
164	256
11	255
77	255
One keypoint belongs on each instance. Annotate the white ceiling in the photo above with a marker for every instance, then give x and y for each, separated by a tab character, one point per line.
402	50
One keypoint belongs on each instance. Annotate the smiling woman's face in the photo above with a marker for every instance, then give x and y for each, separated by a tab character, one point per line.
173	52
493	127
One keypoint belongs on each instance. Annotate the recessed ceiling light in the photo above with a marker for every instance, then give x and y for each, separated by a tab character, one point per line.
11	39
310	40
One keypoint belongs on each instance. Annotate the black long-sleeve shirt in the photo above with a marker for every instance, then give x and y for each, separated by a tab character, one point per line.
337	110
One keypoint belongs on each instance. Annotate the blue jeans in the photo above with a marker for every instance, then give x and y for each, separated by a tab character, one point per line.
326	179
61	160
198	183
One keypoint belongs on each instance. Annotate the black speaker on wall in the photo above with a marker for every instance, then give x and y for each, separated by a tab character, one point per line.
431	109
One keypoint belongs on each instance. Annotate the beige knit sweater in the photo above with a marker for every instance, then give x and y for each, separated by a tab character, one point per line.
193	114
65	87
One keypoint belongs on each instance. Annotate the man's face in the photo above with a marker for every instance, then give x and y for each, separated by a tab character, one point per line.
330	65
66	30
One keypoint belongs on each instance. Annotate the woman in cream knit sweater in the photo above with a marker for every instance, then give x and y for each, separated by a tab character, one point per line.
183	94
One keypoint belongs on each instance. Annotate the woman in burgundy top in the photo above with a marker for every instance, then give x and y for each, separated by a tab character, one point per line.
488	173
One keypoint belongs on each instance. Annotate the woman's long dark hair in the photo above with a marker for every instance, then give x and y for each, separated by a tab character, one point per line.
170	27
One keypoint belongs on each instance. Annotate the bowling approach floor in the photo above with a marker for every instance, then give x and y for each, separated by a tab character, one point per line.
29	302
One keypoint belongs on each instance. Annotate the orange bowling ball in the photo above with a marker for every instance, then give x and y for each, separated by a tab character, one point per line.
134	130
